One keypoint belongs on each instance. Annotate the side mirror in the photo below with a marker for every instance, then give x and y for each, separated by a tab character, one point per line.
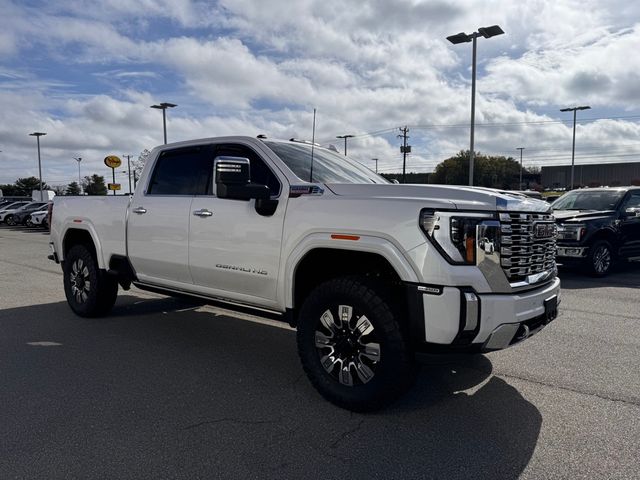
632	212
233	180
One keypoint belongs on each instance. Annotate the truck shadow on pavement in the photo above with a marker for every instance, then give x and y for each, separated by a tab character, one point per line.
163	389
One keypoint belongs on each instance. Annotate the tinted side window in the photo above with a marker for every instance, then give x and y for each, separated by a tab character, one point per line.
183	171
260	172
633	201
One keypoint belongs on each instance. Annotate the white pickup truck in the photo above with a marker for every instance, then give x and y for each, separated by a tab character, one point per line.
371	273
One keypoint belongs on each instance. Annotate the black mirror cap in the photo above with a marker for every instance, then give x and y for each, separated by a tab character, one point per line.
232	170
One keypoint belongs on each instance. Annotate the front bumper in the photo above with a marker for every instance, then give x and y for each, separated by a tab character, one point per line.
458	319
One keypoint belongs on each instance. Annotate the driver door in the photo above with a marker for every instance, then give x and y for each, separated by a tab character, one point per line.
234	251
630	225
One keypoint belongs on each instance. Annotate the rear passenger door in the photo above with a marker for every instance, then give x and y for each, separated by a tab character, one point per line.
158	225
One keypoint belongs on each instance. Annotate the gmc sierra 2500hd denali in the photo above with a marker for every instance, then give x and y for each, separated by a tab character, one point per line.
371	273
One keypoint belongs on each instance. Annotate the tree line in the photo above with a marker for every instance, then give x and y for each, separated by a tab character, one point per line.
488	171
23	187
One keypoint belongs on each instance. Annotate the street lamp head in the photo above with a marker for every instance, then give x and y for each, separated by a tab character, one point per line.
573	109
164	106
37	134
345	136
77	159
460	38
492	31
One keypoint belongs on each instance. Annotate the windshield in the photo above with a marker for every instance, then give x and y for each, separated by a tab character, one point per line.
328	166
588	200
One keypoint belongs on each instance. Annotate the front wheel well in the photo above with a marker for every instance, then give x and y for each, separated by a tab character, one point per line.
608	236
323	264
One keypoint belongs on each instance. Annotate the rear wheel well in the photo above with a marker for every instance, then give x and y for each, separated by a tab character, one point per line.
322	264
75	236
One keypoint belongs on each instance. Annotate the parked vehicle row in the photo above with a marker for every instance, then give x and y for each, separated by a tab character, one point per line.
24	213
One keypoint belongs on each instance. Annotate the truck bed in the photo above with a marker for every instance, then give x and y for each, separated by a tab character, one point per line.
103	216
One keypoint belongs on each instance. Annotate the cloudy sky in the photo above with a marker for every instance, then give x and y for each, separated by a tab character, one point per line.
86	73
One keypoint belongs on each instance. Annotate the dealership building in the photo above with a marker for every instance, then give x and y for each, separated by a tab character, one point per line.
592	175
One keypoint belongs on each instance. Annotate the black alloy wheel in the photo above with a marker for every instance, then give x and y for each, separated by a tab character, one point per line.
352	346
90	291
600	258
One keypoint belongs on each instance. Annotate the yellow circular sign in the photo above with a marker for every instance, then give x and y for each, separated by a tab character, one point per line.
112	161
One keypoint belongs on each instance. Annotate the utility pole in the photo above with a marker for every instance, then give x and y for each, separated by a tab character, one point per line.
521	149
404	149
376	160
128	157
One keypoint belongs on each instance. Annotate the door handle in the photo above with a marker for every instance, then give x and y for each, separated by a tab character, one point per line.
203	212
139	210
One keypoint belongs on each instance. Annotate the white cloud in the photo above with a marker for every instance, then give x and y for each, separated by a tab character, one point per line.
249	66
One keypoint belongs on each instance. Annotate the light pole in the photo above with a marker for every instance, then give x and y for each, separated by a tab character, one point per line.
345	141
128	157
573	146
163	106
521	149
376	160
79	159
38	135
486	32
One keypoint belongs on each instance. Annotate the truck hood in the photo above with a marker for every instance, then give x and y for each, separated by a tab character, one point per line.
581	215
458	197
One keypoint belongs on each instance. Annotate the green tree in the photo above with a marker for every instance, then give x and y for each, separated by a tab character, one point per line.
489	171
94	185
25	186
9	190
73	189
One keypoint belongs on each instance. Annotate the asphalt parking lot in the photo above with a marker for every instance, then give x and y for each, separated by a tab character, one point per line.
165	388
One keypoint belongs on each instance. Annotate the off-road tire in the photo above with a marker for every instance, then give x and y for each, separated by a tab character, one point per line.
395	371
96	300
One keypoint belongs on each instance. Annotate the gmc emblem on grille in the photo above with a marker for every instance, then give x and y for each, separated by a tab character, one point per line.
544	230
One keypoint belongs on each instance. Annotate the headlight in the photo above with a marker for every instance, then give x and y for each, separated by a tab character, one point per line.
453	233
571	231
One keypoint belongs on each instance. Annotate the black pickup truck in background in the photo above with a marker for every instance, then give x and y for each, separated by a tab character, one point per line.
597	227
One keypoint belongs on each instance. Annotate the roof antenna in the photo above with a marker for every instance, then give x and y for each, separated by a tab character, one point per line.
313	143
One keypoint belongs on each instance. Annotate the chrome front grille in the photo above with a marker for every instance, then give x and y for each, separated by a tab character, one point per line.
528	244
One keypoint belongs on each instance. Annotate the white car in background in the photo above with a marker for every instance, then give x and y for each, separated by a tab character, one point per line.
39	219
